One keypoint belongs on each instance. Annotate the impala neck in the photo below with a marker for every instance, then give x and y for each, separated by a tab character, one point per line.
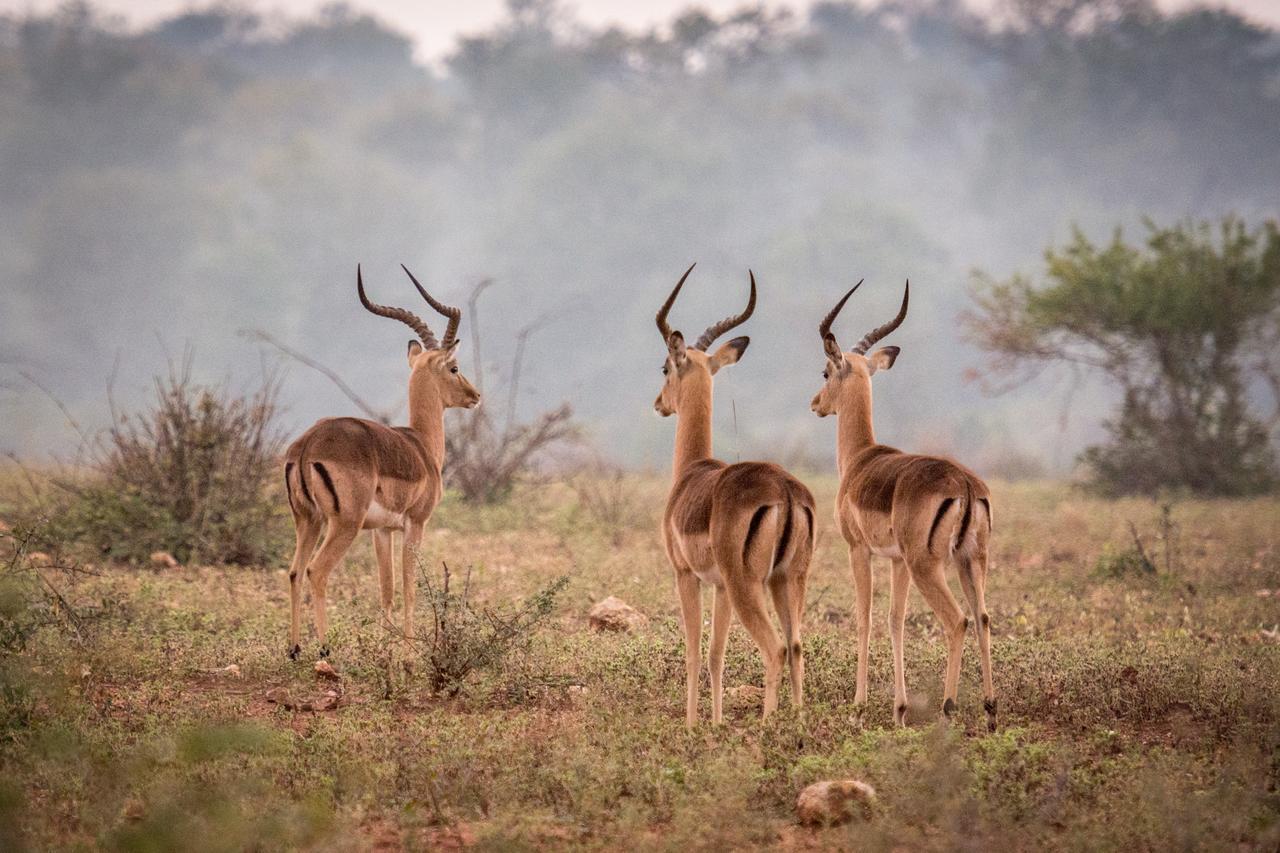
854	432
426	417
693	423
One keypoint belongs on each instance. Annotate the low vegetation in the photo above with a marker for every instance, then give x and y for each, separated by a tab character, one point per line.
1138	709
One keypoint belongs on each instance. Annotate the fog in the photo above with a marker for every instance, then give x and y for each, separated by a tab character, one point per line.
219	172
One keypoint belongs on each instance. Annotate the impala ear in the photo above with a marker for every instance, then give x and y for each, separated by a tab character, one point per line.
415	349
675	346
728	353
882	359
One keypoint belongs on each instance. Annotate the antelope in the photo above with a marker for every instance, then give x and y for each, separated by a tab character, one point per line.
740	528
349	474
922	512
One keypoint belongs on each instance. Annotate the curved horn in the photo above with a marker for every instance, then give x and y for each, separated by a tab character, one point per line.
454	314
413	321
713	332
666	306
824	328
876	334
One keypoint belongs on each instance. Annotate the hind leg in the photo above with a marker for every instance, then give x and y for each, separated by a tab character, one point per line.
973	580
899	586
337	539
749	602
931	580
788	602
306	533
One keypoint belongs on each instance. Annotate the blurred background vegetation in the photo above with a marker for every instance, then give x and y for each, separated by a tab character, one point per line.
220	170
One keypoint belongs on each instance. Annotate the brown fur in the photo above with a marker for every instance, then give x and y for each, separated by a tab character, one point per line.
923	512
745	529
350	474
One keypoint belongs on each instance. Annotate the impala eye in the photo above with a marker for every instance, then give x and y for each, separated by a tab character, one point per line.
664	370
826	375
453	369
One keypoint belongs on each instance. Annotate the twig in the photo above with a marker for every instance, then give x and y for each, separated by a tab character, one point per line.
379	415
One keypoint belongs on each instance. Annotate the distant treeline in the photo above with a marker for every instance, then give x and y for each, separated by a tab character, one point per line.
220	171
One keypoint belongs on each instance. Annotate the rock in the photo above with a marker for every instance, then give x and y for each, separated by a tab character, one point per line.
834	802
133	810
232	670
324	669
745	694
614	614
327	702
164	560
5	527
280	696
40	558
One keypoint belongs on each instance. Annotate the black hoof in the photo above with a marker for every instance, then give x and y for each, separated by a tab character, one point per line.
949	707
900	714
295	652
324	651
990	706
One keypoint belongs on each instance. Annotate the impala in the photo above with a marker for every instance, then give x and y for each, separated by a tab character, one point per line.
741	528
922	512
348	474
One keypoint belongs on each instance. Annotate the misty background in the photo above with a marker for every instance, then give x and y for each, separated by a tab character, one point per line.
220	171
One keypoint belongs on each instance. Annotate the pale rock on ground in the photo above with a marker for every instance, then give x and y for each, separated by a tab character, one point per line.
834	802
614	614
164	560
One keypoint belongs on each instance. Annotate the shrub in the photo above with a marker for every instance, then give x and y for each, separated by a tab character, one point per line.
463	639
609	498
188	475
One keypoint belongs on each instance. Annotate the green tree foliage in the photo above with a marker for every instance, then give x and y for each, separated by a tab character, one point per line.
223	170
1182	325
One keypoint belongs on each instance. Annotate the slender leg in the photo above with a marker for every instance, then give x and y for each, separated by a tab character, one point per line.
899	585
307	533
337	539
690	590
788	602
721	616
973	580
749	602
860	566
386	581
931	579
409	575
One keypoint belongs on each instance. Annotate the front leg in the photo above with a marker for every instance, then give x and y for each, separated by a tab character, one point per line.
409	575
860	567
899	585
690	590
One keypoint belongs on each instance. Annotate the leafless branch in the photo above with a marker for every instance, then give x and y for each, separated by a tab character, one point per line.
379	415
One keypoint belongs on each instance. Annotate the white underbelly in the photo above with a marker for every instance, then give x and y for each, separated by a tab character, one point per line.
379	517
890	550
696	551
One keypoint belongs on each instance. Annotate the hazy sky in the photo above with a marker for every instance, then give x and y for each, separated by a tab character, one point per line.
436	23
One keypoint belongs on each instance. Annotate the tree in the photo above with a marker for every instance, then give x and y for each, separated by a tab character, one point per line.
1180	325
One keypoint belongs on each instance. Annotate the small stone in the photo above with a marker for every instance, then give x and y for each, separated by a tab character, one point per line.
280	696
614	614
324	669
745	694
133	810
231	670
164	560
834	802
40	558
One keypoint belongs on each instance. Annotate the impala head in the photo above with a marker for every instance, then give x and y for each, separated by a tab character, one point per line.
688	370
847	375
433	365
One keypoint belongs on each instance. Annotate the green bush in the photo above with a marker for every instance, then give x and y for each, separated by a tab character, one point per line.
190	474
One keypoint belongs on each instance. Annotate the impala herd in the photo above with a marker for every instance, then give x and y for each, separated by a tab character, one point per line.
747	529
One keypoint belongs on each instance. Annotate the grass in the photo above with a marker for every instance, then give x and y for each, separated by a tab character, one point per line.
1138	711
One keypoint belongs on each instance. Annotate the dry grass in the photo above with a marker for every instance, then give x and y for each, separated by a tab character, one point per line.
1136	711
